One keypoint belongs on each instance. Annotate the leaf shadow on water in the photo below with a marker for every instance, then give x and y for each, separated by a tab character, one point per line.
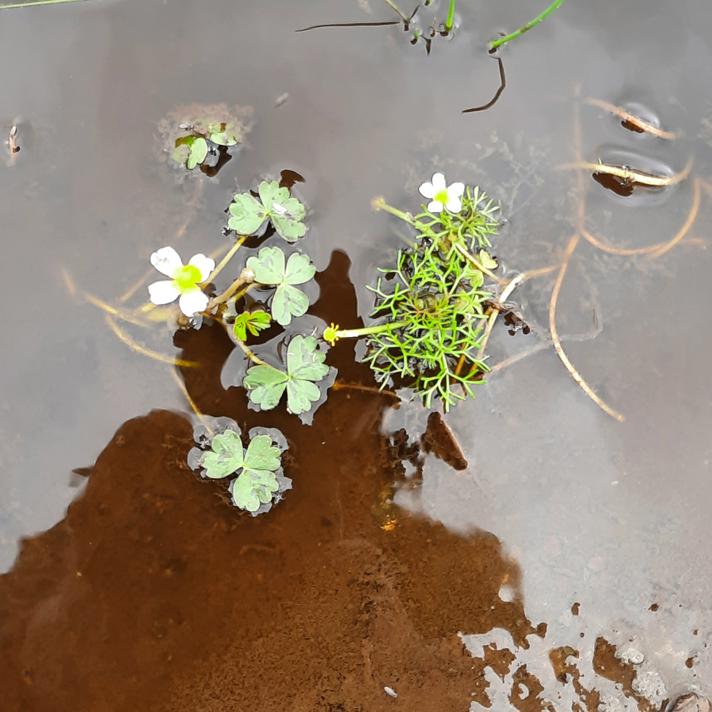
154	591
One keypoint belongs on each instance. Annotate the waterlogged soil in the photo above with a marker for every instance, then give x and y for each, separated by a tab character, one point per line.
555	560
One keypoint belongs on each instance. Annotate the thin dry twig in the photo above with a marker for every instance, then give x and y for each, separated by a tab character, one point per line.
193	405
631	175
632	119
653	250
144	350
342	386
570	248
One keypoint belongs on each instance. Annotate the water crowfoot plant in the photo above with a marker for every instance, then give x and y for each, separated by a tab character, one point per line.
257	470
432	307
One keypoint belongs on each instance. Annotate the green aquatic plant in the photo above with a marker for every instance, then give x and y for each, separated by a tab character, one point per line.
304	369
450	19
285	212
201	138
257	470
250	322
495	44
272	268
432	307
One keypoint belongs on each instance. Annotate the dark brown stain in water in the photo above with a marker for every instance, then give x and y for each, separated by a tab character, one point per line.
153	593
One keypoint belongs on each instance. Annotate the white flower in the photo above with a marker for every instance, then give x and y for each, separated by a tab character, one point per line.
184	282
442	195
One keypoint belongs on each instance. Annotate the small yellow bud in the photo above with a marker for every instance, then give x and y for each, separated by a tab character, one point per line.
331	334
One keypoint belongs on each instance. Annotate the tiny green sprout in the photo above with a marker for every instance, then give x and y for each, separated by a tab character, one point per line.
272	268
257	470
431	307
251	322
305	368
285	212
222	134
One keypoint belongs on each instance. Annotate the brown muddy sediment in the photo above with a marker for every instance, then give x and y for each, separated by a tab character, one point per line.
155	593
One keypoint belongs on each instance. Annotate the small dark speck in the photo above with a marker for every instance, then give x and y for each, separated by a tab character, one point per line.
575	609
654	607
690	661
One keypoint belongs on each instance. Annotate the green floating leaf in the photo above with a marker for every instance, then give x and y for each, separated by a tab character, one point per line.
305	367
487	260
285	212
222	134
225	456
190	151
257	482
257	467
272	268
247	214
251	322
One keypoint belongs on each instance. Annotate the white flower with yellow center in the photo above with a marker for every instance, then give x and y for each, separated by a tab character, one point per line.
184	282
441	195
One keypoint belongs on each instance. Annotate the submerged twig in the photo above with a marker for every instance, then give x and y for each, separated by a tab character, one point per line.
145	351
10	6
193	405
383	23
342	386
497	94
658	249
632	119
631	175
573	242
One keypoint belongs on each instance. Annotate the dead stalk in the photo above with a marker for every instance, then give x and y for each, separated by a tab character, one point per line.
143	350
631	175
570	248
632	119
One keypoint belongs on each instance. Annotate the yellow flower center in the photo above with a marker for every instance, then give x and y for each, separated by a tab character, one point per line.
186	277
441	197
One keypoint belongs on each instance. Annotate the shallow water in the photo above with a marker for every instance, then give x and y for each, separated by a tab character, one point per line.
567	529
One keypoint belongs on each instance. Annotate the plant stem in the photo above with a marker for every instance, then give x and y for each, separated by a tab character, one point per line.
494	44
381	204
224	261
471	258
395	7
251	354
368	330
450	15
222	298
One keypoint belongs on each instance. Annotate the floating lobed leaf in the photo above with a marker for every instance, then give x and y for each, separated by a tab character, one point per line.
305	367
272	268
258	469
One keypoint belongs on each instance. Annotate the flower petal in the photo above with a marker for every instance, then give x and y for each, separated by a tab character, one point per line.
454	204
439	182
456	189
435	206
205	264
166	260
193	302
427	190
163	292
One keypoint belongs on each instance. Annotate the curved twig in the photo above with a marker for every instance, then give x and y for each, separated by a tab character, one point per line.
143	350
497	94
658	249
384	23
573	242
